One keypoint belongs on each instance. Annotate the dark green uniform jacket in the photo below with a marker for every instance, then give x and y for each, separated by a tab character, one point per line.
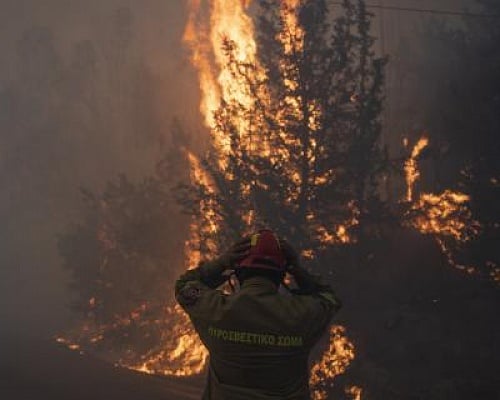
258	339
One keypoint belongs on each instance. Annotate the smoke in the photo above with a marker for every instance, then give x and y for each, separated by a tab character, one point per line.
87	90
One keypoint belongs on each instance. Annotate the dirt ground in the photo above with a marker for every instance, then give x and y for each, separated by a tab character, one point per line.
39	369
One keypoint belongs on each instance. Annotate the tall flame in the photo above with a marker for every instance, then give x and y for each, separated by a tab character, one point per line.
208	37
230	25
411	166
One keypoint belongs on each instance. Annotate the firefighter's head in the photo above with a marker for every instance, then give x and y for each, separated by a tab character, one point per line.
265	258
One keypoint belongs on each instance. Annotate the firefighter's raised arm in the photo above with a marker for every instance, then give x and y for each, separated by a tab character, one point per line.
208	275
322	302
308	284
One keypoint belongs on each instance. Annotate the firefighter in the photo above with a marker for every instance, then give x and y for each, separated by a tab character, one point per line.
258	337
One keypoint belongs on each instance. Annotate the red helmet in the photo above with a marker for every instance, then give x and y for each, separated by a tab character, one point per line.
265	252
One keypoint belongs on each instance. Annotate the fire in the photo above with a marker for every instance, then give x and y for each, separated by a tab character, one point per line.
181	352
355	391
178	352
230	25
411	166
218	41
292	37
68	343
208	209
445	216
334	362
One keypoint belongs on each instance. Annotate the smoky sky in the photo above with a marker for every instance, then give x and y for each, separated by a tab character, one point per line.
89	89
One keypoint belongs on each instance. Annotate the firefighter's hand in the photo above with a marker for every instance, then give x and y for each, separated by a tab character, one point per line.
291	255
237	252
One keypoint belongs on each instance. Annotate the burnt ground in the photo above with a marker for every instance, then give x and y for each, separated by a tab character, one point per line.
40	369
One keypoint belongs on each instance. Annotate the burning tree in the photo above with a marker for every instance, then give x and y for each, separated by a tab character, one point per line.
295	138
294	124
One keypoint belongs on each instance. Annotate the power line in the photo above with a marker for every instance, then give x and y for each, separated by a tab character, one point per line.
425	10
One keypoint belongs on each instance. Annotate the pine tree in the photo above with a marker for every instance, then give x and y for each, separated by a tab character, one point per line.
302	156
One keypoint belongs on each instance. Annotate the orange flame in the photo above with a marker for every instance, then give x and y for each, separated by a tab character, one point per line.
445	216
411	166
180	354
355	391
334	362
230	23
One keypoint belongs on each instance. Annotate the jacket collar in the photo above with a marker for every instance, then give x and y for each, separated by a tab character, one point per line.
258	285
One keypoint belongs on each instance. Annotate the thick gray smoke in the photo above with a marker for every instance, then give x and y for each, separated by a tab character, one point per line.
87	90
